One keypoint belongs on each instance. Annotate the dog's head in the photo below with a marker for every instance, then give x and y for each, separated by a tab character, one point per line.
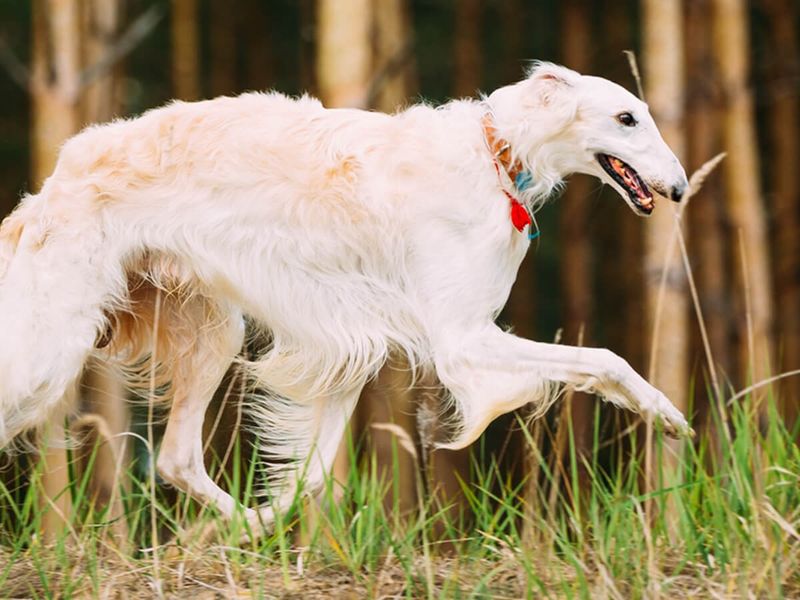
560	122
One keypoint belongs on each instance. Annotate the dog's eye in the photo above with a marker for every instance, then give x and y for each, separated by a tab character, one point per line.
626	119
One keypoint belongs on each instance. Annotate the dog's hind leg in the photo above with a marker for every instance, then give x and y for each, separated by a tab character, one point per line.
306	447
195	378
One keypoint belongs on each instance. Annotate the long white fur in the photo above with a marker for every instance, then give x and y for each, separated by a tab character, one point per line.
345	234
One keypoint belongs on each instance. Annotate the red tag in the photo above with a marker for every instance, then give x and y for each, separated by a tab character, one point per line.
519	216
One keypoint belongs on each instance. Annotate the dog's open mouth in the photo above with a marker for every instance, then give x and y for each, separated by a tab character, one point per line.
629	179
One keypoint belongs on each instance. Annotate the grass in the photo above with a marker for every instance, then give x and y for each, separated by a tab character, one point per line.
726	527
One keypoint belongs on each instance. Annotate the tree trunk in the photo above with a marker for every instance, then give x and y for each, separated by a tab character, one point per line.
784	124
185	50
103	393
467	49
513	25
223	43
55	72
55	69
706	212
392	36
664	89
258	54
745	202
575	246
344	64
389	398
665	287
627	319
344	53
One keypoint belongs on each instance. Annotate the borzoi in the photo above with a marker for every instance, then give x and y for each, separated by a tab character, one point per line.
345	235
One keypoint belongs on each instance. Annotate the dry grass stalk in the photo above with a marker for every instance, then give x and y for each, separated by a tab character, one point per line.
157	584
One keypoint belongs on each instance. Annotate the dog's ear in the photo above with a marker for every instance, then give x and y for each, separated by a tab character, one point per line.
548	83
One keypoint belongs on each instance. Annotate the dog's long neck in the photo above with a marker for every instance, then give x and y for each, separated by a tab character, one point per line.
526	144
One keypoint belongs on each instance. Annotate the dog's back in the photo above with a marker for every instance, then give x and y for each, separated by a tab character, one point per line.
251	201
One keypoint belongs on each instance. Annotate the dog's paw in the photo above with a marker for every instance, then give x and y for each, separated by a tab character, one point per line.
675	424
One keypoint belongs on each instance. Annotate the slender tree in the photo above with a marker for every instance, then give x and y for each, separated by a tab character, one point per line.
784	128
259	57
103	393
665	288
574	240
467	50
750	247
392	40
55	73
343	68
706	223
223	46
344	53
665	281
185	50
390	397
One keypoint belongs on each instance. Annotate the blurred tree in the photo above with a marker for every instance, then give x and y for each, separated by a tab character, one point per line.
103	393
102	99
223	46
512	53
665	288
344	52
749	246
389	398
344	66
706	223
784	129
667	321
259	53
55	86
185	49
467	49
392	43
575	244
619	312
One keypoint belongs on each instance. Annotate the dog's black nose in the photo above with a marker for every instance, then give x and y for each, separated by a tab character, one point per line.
677	192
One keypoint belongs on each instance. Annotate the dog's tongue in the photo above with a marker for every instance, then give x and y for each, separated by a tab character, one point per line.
632	181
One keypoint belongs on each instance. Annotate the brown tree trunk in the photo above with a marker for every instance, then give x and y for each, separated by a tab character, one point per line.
665	283
258	55
513	31
344	66
55	69
102	100
344	52
223	44
784	124
392	34
467	48
307	47
627	317
389	398
667	320
575	244
745	202
185	50
103	393
55	72
706	212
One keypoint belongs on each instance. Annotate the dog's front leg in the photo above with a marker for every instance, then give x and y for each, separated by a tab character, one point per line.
491	372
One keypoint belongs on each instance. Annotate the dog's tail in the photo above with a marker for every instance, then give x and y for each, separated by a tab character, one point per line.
58	271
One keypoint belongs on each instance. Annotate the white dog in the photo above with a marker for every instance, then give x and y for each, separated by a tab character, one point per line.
344	234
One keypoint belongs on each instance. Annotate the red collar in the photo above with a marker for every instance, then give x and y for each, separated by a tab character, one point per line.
502	158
